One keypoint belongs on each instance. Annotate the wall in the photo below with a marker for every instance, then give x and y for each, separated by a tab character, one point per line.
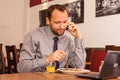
96	31
16	19
100	31
12	21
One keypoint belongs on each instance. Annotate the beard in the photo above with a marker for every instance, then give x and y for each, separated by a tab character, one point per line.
56	31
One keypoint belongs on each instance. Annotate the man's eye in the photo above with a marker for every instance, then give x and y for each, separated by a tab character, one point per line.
65	21
57	22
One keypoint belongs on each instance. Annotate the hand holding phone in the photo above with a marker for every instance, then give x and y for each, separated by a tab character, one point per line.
73	29
69	28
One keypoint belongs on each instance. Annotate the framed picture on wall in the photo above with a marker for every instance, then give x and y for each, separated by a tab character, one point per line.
107	7
75	12
42	17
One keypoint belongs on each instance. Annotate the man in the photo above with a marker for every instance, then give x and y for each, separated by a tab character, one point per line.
37	50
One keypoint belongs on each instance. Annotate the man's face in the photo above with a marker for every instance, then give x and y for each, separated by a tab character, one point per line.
58	22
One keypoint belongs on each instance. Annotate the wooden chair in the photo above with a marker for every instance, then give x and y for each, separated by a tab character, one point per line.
109	47
88	57
20	45
98	55
112	47
2	62
12	58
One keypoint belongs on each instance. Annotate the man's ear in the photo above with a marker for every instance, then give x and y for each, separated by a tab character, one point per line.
47	21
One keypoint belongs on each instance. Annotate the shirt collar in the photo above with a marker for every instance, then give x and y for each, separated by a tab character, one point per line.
51	35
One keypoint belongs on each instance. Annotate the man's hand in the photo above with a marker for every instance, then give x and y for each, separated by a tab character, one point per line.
56	56
74	30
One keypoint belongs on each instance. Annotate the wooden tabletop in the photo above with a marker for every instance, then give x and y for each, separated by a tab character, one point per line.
41	76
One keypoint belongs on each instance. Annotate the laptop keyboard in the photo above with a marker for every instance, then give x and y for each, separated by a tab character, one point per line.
88	75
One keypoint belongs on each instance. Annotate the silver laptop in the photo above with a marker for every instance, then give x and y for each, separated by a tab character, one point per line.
110	68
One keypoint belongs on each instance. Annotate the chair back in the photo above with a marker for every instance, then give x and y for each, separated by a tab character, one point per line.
88	57
20	45
12	58
112	47
2	62
98	55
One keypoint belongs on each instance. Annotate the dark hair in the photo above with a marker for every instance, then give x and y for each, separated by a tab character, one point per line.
53	7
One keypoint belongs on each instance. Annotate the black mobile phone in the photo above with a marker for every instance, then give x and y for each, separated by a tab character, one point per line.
68	28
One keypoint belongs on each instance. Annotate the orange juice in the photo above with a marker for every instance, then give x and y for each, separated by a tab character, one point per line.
50	68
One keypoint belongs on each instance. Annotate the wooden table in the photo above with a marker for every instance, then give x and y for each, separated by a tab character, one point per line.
41	76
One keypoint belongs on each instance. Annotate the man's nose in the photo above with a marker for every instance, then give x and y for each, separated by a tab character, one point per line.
62	25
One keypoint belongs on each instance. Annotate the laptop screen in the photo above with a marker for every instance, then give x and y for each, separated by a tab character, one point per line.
111	66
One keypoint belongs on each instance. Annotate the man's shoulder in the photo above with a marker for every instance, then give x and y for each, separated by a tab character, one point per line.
37	30
68	35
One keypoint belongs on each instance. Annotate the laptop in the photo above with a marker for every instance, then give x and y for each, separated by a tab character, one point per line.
110	68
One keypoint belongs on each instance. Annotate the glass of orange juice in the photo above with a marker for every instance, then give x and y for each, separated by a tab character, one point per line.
50	68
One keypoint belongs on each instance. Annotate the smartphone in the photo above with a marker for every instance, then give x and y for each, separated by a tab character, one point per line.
68	28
